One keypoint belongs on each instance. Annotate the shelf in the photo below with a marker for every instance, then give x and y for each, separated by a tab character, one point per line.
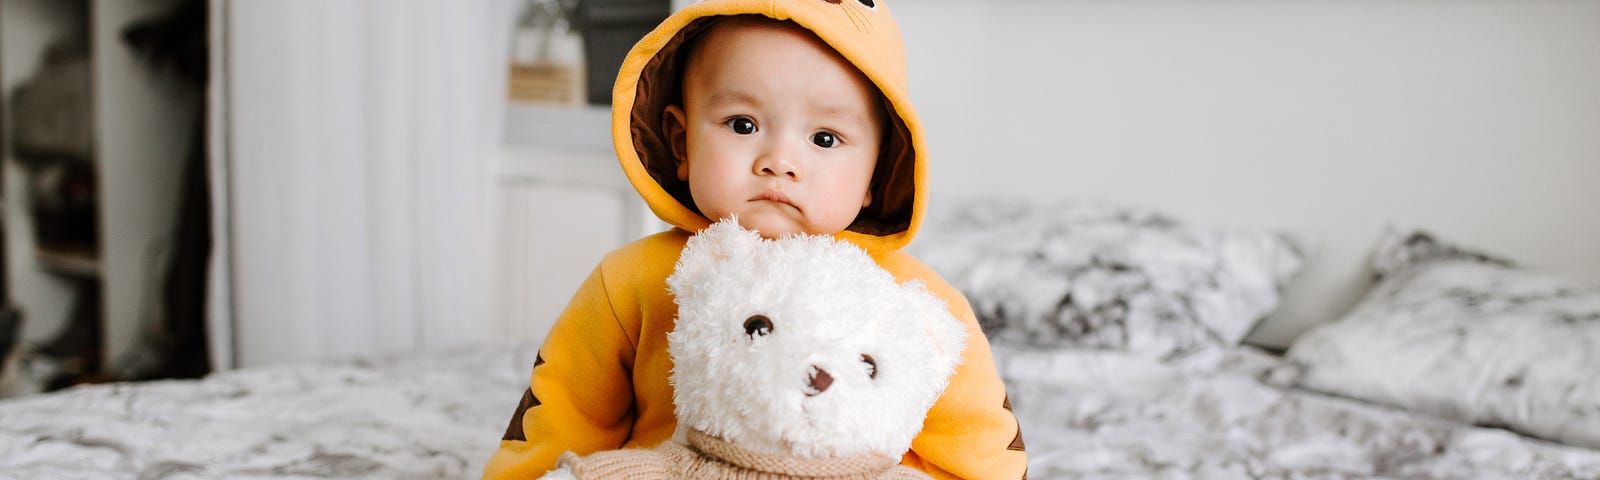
80	262
562	165
548	125
142	118
561	145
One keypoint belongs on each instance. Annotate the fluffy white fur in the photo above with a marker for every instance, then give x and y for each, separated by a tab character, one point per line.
829	305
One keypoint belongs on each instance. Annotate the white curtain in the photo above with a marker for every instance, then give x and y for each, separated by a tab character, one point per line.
352	176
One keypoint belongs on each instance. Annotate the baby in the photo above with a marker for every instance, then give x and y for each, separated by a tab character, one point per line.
793	117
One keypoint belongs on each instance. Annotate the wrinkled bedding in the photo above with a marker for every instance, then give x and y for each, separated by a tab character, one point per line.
1223	414
1085	414
430	416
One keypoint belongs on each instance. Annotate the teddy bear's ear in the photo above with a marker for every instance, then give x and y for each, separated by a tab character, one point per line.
714	245
948	335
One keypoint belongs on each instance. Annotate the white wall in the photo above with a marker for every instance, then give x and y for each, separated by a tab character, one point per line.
1478	119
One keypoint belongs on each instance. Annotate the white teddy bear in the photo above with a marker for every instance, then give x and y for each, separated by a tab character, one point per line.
793	358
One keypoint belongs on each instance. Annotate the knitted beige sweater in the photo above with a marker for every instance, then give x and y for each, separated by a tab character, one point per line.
706	457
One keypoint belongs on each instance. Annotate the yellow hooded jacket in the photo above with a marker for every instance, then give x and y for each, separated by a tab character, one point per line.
600	379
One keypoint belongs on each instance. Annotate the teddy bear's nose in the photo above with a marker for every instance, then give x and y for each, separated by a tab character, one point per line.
820	381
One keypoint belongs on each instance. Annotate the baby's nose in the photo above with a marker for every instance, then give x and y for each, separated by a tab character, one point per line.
777	164
820	381
780	158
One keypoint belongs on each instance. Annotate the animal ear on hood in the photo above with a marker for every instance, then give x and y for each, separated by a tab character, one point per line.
944	331
715	245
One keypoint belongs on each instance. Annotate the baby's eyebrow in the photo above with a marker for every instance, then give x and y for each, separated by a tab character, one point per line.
732	98
840	112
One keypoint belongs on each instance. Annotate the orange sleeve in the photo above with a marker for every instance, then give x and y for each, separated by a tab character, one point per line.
580	395
970	432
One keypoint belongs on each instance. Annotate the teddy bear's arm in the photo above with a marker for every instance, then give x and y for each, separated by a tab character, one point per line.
970	432
902	472
626	463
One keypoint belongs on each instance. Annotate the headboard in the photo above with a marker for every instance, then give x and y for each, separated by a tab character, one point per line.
1479	120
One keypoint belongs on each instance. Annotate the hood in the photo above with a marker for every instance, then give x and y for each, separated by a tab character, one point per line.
862	31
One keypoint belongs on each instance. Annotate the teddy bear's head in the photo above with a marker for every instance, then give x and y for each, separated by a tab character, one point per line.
804	346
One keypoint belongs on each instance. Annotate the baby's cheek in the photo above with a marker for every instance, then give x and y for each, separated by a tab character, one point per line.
832	218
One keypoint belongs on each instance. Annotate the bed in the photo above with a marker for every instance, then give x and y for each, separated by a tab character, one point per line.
1117	331
1119	334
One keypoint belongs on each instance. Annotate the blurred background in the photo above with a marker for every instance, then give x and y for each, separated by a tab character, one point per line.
195	185
106	191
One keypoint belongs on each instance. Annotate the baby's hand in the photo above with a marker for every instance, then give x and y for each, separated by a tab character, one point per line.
562	471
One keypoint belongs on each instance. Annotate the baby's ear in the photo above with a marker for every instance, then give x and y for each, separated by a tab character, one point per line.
717	244
948	335
673	121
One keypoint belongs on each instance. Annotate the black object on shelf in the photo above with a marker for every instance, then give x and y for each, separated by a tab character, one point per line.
611	28
63	200
51	112
53	139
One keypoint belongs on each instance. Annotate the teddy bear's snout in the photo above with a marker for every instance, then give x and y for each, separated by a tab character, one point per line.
820	381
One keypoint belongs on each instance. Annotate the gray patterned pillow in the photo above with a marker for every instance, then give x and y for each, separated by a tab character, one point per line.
1095	276
1466	336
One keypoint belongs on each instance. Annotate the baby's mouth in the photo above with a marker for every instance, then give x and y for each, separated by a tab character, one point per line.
774	196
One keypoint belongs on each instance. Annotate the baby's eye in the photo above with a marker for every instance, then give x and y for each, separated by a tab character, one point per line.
741	125
824	139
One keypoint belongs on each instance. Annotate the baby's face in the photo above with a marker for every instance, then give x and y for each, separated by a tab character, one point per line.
778	129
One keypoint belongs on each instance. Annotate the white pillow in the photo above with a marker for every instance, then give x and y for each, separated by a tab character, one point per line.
1090	275
1465	336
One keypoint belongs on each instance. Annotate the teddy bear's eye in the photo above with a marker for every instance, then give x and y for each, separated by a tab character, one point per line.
757	325
868	3
872	366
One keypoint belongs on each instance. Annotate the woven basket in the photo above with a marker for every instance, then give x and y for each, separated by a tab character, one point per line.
547	83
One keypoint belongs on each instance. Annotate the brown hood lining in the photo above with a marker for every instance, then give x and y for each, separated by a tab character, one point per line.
660	85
